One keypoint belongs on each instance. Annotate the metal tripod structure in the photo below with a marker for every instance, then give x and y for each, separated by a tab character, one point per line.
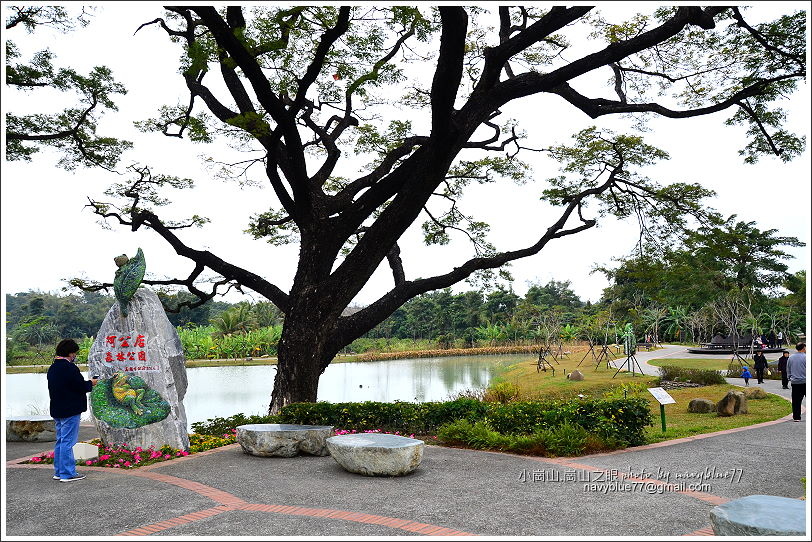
542	363
630	344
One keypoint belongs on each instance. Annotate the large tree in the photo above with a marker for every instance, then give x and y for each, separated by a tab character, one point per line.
301	91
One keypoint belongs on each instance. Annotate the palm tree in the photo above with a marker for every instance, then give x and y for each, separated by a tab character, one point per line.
652	318
490	333
675	322
237	319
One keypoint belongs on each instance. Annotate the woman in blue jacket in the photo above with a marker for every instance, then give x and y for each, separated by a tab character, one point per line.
67	389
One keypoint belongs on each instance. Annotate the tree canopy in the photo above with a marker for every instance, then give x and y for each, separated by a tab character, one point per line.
304	94
720	256
73	130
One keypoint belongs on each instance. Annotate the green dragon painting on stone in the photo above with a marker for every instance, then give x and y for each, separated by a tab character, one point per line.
127	401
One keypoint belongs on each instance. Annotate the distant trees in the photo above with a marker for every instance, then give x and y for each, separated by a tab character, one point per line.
720	256
475	315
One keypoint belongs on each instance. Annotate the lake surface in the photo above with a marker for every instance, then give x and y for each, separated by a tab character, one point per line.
225	391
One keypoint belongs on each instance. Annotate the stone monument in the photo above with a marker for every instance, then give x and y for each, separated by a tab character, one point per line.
139	359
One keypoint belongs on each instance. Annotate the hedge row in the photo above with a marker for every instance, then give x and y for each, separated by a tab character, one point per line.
617	420
622	420
706	377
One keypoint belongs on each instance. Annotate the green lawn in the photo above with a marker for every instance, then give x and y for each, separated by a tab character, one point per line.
679	422
535	384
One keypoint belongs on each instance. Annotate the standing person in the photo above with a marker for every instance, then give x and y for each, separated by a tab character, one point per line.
782	366
67	390
746	376
771	339
796	368
760	365
780	339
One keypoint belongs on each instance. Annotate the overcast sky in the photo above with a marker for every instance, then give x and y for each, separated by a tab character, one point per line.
48	236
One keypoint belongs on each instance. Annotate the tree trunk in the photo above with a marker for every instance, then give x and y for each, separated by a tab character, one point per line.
306	348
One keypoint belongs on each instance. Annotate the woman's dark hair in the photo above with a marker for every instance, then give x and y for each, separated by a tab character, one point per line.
66	346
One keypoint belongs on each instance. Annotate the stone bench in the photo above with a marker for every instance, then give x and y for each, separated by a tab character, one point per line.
376	454
33	428
760	515
283	440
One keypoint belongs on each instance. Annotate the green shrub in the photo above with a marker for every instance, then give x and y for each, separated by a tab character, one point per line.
480	435
705	377
502	392
418	418
220	426
567	439
620	422
627	389
734	370
564	440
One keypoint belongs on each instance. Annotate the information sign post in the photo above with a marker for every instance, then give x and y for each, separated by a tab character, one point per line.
663	398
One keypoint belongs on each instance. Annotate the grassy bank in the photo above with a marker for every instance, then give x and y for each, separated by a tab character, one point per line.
679	422
598	378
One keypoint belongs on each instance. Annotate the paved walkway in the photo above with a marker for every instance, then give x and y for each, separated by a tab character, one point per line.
665	489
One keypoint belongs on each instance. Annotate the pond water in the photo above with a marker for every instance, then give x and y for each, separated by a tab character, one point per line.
225	391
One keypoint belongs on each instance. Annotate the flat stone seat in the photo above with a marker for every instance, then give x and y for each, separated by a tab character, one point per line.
760	515
32	428
376	454
283	440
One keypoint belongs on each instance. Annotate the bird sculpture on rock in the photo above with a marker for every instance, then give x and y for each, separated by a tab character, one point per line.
128	278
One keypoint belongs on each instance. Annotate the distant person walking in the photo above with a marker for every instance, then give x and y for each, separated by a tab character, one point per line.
760	364
746	376
796	368
67	390
782	366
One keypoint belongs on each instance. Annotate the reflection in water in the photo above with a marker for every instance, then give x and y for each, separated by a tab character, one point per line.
225	391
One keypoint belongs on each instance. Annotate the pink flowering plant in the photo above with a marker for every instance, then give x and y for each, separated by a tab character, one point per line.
120	456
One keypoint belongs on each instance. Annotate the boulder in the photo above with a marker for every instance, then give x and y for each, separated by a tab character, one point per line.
701	406
755	393
376	454
283	440
576	375
734	402
33	428
759	515
139	358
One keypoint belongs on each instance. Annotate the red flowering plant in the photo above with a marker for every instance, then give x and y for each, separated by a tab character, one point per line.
118	456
